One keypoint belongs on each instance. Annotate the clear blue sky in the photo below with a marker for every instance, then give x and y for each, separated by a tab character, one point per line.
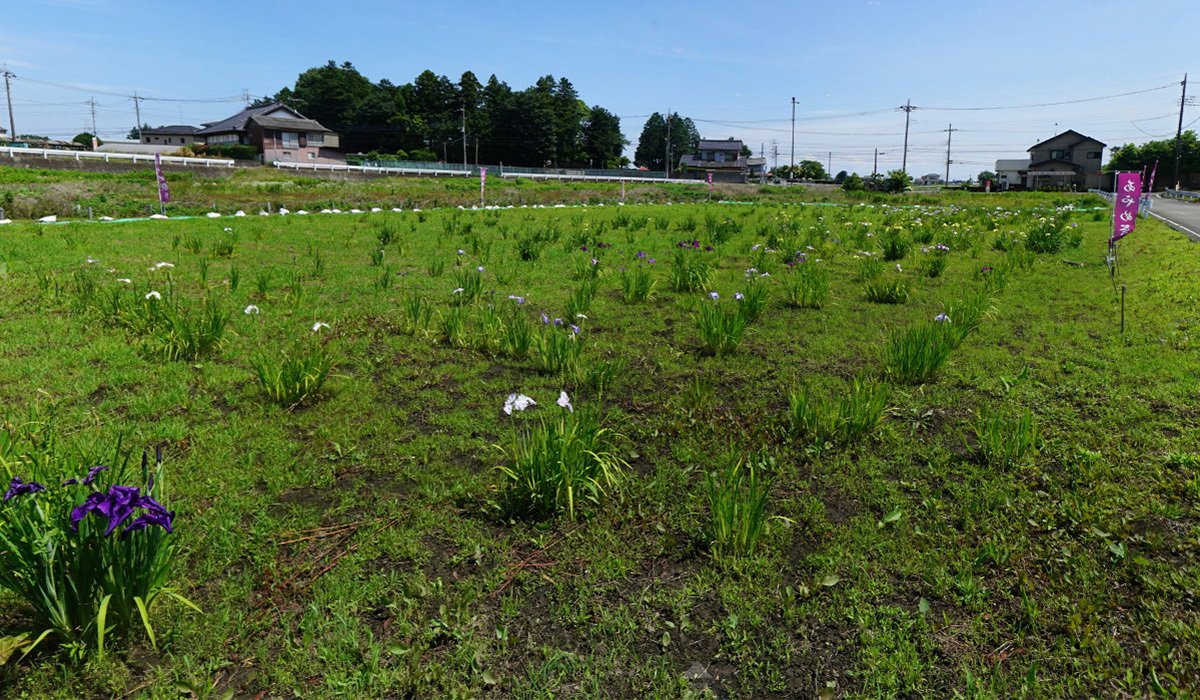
733	67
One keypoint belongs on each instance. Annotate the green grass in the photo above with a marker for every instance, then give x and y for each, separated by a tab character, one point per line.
368	544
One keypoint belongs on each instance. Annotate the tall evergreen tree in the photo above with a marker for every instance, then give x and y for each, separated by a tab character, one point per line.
603	141
652	145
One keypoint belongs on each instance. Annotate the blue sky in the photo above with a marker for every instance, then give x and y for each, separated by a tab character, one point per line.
731	67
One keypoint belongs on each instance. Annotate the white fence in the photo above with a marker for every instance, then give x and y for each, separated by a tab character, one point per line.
1182	194
432	172
108	157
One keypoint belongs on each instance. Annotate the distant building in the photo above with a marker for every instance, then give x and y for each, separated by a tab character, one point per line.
178	135
278	133
929	179
1010	173
723	160
1069	159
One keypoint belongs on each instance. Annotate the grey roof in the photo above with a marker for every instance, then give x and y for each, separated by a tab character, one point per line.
173	130
1080	139
719	145
1012	164
238	121
288	124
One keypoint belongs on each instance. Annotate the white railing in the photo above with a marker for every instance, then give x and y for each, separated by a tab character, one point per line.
48	153
1144	204
1181	194
341	168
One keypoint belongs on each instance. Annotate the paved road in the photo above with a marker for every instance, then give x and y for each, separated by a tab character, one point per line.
1180	215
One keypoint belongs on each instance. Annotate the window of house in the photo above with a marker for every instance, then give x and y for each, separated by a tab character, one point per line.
1093	154
312	156
286	155
290	139
1057	154
316	139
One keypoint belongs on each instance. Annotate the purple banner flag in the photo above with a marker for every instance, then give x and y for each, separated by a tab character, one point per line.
164	192
710	184
1125	205
482	183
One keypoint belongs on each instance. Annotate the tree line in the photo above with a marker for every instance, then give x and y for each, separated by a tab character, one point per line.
544	124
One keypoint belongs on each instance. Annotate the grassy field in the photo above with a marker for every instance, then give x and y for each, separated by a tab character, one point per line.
1022	522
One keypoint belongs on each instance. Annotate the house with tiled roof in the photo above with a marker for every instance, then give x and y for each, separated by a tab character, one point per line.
721	159
278	133
1069	159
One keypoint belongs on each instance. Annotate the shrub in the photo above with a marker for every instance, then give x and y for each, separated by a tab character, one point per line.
296	376
807	286
894	244
92	556
637	286
470	284
737	501
964	315
415	313
721	329
1003	442
841	421
753	302
580	301
1047	235
557	465
887	290
690	271
516	335
558	350
869	267
915	354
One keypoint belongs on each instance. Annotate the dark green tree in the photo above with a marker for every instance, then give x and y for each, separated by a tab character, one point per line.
811	170
1132	157
133	133
330	93
986	175
852	182
603	141
841	177
85	140
897	181
652	144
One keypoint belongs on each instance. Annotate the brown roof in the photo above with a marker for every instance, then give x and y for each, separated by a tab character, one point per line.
288	124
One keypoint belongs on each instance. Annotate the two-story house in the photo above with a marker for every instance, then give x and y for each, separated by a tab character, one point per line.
1069	159
278	132
723	160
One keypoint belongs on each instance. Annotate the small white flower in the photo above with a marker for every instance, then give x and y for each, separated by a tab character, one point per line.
517	402
227	229
479	269
154	295
318	326
90	259
714	296
461	251
162	265
898	268
739	296
942	318
460	290
565	401
125	280
581	316
252	309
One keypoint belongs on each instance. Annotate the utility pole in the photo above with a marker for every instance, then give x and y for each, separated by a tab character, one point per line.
775	167
875	169
8	92
92	102
246	96
949	132
830	168
137	109
762	151
793	163
668	158
908	108
1178	131
464	135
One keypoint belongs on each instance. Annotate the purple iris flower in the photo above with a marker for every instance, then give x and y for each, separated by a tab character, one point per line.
583	248
93	473
118	504
986	269
641	254
19	488
709	248
558	321
574	329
